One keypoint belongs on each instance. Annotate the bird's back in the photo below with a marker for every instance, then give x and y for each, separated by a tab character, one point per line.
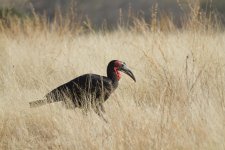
88	86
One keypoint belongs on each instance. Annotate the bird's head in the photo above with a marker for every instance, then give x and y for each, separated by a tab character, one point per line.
116	66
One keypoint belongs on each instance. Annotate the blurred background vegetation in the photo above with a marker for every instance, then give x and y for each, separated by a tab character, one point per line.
108	12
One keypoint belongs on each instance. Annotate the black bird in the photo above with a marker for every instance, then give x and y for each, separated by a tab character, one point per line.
88	89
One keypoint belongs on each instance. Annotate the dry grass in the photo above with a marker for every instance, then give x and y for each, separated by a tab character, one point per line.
178	101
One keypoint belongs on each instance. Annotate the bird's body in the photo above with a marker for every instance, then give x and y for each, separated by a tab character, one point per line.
84	89
88	88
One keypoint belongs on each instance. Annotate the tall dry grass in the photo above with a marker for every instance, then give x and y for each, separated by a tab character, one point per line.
178	101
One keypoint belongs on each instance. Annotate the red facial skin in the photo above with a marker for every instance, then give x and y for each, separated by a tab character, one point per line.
116	67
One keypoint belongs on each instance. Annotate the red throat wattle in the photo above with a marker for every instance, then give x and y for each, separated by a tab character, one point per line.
118	75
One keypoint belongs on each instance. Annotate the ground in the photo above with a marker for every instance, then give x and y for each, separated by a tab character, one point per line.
177	102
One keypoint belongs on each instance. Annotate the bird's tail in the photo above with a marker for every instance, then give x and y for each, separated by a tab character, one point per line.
40	102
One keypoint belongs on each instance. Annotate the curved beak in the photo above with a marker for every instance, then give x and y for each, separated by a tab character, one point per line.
127	71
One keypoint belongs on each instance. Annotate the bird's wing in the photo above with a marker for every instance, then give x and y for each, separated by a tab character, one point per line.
90	83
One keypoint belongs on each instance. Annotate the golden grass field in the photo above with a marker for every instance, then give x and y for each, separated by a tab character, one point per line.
178	101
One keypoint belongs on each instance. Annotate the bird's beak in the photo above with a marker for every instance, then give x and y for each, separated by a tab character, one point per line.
128	72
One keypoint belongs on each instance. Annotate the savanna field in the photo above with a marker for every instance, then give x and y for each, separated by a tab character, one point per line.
178	101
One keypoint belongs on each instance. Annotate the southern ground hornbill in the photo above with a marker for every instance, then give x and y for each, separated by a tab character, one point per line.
88	89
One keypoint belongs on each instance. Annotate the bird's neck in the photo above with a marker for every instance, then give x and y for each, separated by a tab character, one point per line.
114	75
